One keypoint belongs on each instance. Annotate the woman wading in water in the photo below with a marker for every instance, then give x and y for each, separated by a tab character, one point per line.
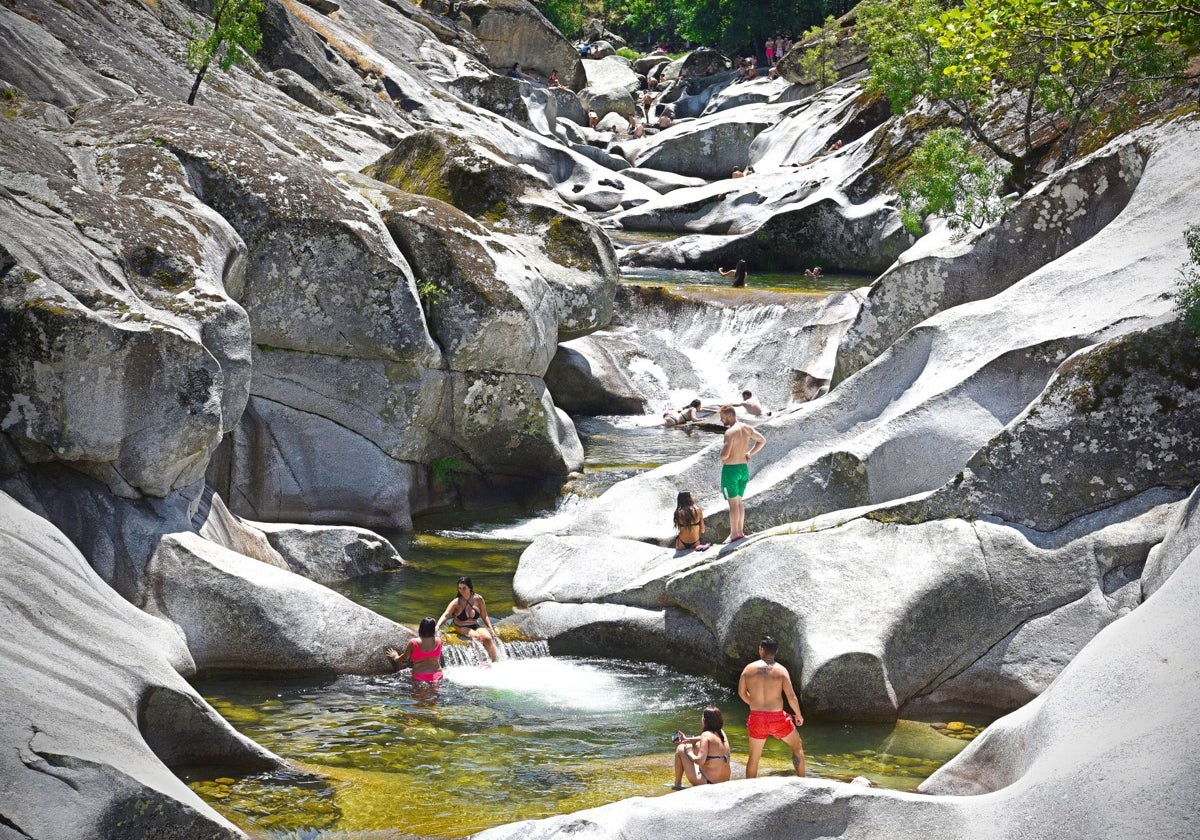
738	272
469	611
425	654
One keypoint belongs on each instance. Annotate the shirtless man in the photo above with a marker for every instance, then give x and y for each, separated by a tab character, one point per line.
741	441
763	686
751	404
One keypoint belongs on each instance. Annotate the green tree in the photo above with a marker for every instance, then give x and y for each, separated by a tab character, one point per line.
234	35
1187	301
820	46
735	25
566	15
946	178
1070	61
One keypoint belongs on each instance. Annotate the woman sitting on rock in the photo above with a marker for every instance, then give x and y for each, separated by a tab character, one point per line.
468	611
689	519
705	758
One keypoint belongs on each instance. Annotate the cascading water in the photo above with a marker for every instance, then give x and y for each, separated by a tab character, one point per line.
681	345
467	654
530	735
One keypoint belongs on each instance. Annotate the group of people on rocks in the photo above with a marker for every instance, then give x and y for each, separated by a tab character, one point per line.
705	758
763	685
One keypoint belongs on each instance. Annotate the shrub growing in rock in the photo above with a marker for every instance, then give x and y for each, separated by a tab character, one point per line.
1188	299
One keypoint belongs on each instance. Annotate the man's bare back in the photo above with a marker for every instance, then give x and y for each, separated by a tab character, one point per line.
737	443
763	685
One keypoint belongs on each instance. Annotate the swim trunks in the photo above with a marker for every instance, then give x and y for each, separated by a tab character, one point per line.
761	724
734	478
434	677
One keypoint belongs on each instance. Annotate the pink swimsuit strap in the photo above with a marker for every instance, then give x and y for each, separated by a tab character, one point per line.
419	654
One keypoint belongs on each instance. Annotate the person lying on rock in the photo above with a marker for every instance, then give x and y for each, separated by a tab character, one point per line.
694	412
750	403
704	759
468	610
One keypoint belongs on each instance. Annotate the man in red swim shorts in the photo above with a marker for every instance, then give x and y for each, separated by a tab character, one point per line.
763	686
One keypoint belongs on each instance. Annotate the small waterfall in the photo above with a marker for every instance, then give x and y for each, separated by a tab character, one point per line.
525	650
462	654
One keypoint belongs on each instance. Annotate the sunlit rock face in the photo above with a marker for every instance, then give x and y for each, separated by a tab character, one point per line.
802	205
1027	433
1042	762
514	31
1058	215
88	741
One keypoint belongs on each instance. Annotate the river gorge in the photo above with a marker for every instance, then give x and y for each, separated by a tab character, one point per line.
276	368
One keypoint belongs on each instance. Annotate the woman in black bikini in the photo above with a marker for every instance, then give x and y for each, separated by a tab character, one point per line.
469	611
689	519
705	758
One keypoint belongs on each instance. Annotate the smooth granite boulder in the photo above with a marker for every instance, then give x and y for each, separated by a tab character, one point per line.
1045	770
514	31
239	614
662	635
321	553
710	147
1057	215
120	351
94	707
568	252
1183	535
485	310
1124	415
611	86
586	377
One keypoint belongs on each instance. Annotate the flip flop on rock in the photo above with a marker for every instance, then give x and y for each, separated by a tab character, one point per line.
702	546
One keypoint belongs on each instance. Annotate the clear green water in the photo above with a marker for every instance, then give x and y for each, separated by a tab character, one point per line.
522	739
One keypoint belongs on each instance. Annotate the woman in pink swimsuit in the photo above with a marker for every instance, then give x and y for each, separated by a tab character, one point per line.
424	652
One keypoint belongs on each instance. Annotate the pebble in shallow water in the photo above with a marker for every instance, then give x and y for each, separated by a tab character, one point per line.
958	729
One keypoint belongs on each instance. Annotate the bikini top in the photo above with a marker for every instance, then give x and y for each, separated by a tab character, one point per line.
418	653
469	613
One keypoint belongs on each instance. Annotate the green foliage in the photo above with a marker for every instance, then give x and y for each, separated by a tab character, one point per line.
446	470
566	15
11	101
820	44
1187	300
234	35
626	52
734	26
430	292
946	178
1073	61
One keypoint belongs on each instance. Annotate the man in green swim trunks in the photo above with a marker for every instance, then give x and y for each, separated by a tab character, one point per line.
741	441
